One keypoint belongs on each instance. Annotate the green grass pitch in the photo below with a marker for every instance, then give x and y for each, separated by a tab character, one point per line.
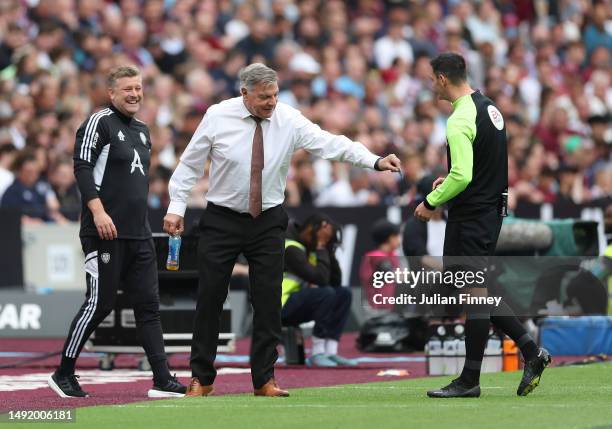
570	397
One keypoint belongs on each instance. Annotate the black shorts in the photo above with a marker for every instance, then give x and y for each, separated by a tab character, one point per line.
468	244
474	237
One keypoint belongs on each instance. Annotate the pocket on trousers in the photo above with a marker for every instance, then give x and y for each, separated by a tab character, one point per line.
90	246
91	264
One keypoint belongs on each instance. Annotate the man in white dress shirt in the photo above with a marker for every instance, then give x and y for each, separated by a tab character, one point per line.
250	140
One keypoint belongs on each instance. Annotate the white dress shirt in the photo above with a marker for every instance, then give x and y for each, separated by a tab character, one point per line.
226	135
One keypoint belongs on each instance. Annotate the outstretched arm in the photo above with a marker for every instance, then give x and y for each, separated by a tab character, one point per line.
333	147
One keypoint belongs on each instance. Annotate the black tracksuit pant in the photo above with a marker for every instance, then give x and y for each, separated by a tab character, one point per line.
224	235
133	264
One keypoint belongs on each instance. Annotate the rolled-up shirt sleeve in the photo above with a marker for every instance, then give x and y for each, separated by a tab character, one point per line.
311	137
190	167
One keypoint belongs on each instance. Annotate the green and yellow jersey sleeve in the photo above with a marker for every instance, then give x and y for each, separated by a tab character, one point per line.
460	135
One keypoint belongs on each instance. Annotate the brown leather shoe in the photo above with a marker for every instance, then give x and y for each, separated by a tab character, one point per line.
197	389
271	389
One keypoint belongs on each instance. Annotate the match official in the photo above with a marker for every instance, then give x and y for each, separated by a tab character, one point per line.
250	140
111	165
476	192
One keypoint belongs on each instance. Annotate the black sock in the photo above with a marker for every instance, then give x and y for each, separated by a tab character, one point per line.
67	366
528	347
503	317
476	337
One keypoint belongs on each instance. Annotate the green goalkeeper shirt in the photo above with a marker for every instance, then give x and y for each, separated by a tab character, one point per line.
477	159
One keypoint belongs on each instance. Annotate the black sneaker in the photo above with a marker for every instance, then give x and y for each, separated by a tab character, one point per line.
455	390
533	372
66	386
172	388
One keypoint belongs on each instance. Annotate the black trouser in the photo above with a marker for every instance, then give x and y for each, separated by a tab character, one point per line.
328	306
224	235
109	263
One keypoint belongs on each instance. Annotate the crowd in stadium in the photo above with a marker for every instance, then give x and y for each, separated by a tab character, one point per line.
546	64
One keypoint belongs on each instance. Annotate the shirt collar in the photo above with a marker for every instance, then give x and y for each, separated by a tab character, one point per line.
124	118
463	97
244	112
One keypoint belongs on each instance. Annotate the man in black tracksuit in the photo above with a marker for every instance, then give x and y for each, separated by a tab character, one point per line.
476	191
111	165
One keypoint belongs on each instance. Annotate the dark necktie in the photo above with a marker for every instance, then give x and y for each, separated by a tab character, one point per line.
257	165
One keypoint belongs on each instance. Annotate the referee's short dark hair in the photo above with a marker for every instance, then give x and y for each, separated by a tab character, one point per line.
119	72
450	65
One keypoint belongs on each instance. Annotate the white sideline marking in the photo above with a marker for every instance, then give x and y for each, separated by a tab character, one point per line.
255	403
365	387
14	383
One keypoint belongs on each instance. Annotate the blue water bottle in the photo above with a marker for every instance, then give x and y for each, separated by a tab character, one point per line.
174	248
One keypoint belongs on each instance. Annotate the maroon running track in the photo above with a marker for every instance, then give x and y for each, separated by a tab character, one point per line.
24	388
136	390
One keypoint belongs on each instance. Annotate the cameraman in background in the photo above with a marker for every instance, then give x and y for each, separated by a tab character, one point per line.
312	289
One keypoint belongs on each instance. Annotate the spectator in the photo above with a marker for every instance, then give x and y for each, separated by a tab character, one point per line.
392	46
258	46
14	38
421	37
29	194
158	188
547	69
301	182
383	258
132	39
423	242
7	156
596	34
570	185
226	76
349	193
65	188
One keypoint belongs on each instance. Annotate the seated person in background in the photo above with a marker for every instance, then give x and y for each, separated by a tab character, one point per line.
383	258
30	194
423	242
64	185
423	245
312	290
